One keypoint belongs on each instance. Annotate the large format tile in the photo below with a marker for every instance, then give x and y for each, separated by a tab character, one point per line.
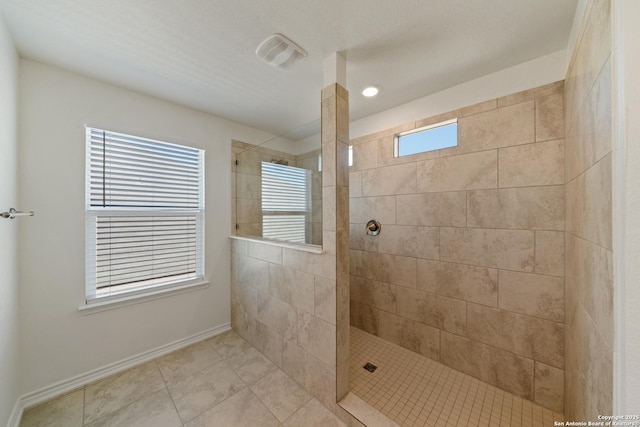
313	414
508	249
497	367
325	299
466	282
373	293
407	240
388	268
389	180
502	127
197	393
113	393
240	410
251	365
538	339
292	286
382	208
280	394
189	360
550	117
64	411
156	410
532	164
549	387
409	334
252	272
537	208
363	317
550	252
317	337
462	172
441	312
532	294
277	315
432	209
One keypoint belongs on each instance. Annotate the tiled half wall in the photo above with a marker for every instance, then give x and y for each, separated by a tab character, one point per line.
469	266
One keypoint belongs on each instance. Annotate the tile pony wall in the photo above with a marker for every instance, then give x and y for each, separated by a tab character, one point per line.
469	266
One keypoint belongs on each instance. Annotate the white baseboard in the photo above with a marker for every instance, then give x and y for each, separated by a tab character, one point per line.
65	386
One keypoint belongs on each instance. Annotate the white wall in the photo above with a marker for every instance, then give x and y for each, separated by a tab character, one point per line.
57	341
9	361
538	72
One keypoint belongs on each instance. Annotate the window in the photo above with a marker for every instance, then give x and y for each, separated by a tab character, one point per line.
144	214
286	202
428	138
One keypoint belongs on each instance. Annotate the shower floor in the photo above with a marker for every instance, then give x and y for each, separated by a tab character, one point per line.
413	390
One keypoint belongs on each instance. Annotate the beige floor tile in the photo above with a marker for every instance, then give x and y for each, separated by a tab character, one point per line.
251	365
195	394
240	410
187	361
229	344
65	411
155	410
280	394
313	414
113	393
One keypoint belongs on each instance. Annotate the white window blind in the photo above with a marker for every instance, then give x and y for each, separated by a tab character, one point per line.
145	213
286	202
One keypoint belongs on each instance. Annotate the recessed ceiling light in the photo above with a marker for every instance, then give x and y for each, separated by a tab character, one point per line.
370	91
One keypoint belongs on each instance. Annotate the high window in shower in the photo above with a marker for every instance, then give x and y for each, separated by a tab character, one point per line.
427	138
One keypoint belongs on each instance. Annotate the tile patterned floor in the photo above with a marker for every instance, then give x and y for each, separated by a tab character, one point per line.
413	390
222	381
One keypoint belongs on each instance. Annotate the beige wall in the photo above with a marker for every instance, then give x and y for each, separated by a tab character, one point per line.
468	268
589	273
292	304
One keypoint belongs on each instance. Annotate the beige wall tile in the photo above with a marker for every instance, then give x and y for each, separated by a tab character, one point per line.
432	209
406	333
501	368
320	381
407	240
549	387
434	310
360	240
325	299
550	253
462	172
389	180
318	264
388	268
317	337
267	341
466	282
248	210
508	249
529	165
248	186
590	278
355	184
329	208
265	252
375	294
252	272
356	263
279	316
381	208
529	94
329	164
519	208
239	247
550	117
365	156
538	339
386	155
589	204
292	286
532	294
364	317
503	127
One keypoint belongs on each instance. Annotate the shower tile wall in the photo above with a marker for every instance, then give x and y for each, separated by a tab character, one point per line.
292	304
469	266
589	290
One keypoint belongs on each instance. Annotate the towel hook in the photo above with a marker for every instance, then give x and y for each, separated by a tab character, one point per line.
14	213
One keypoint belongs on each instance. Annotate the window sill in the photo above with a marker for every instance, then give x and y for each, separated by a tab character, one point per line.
97	305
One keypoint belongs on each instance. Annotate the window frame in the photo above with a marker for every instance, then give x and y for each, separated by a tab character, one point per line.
397	137
121	296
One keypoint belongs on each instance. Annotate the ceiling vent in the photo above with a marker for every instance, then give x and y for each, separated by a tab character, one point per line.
280	52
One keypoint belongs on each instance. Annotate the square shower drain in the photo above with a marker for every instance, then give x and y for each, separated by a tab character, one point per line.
370	367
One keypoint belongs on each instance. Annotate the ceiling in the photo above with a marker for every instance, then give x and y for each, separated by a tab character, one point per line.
201	53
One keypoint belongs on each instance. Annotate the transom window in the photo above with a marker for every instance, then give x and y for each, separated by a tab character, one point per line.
427	138
144	214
